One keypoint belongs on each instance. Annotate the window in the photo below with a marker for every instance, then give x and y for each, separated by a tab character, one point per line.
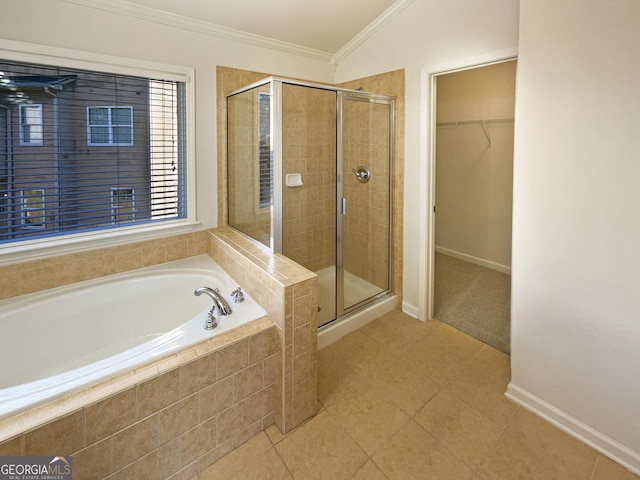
123	205
264	147
74	189
110	125
31	125
32	208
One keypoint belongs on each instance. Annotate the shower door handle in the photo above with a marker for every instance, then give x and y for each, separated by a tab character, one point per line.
344	206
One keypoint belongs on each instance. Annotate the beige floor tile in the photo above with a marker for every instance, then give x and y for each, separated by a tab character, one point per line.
414	454
321	450
553	444
443	353
607	469
458	427
346	365
274	434
490	362
267	466
370	420
234	462
396	329
369	471
485	394
405	385
513	458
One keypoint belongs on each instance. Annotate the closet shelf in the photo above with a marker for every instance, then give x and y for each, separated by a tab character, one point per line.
488	121
482	123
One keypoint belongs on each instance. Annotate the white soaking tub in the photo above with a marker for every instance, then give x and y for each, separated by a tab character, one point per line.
61	340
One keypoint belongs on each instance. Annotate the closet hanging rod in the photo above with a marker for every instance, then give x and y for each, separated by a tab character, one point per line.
475	122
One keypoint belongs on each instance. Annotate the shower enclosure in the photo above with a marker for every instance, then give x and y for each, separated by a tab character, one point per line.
309	175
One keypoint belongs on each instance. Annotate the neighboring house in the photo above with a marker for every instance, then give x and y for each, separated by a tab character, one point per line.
75	151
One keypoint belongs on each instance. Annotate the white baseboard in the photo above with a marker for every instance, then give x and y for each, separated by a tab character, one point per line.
476	260
600	442
410	309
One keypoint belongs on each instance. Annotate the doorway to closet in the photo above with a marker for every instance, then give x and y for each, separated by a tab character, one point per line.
473	201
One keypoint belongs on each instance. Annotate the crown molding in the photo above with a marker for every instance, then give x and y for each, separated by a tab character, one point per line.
384	18
122	7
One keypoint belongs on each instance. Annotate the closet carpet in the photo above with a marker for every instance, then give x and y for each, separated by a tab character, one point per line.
473	299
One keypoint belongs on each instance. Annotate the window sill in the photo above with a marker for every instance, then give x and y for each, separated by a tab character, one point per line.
36	249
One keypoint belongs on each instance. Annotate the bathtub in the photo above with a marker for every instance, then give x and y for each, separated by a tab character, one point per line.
61	340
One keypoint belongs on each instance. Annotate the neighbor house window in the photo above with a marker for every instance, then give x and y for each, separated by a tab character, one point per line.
31	125
75	185
110	126
123	205
32	208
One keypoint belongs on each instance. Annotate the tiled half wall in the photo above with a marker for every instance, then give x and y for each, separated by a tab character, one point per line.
173	418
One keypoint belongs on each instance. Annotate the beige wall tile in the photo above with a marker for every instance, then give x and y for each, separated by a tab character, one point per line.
261	346
260	404
160	463
247	382
233	358
12	446
158	393
231	420
216	398
135	442
111	415
178	418
197	441
67	434
198	374
94	462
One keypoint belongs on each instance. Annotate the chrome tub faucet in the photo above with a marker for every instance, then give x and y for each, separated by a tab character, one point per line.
220	306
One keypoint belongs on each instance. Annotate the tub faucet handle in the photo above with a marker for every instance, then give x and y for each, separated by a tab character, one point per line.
237	296
211	322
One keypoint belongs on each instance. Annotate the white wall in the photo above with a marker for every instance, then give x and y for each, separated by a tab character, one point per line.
576	232
429	37
66	25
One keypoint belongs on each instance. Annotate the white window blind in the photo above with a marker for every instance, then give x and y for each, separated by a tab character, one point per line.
98	133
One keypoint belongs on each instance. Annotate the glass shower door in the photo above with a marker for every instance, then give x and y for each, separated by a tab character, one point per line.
364	197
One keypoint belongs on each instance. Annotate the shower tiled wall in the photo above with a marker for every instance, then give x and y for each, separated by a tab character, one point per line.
309	148
367	143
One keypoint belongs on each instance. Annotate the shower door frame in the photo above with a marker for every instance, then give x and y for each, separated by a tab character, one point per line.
358	96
